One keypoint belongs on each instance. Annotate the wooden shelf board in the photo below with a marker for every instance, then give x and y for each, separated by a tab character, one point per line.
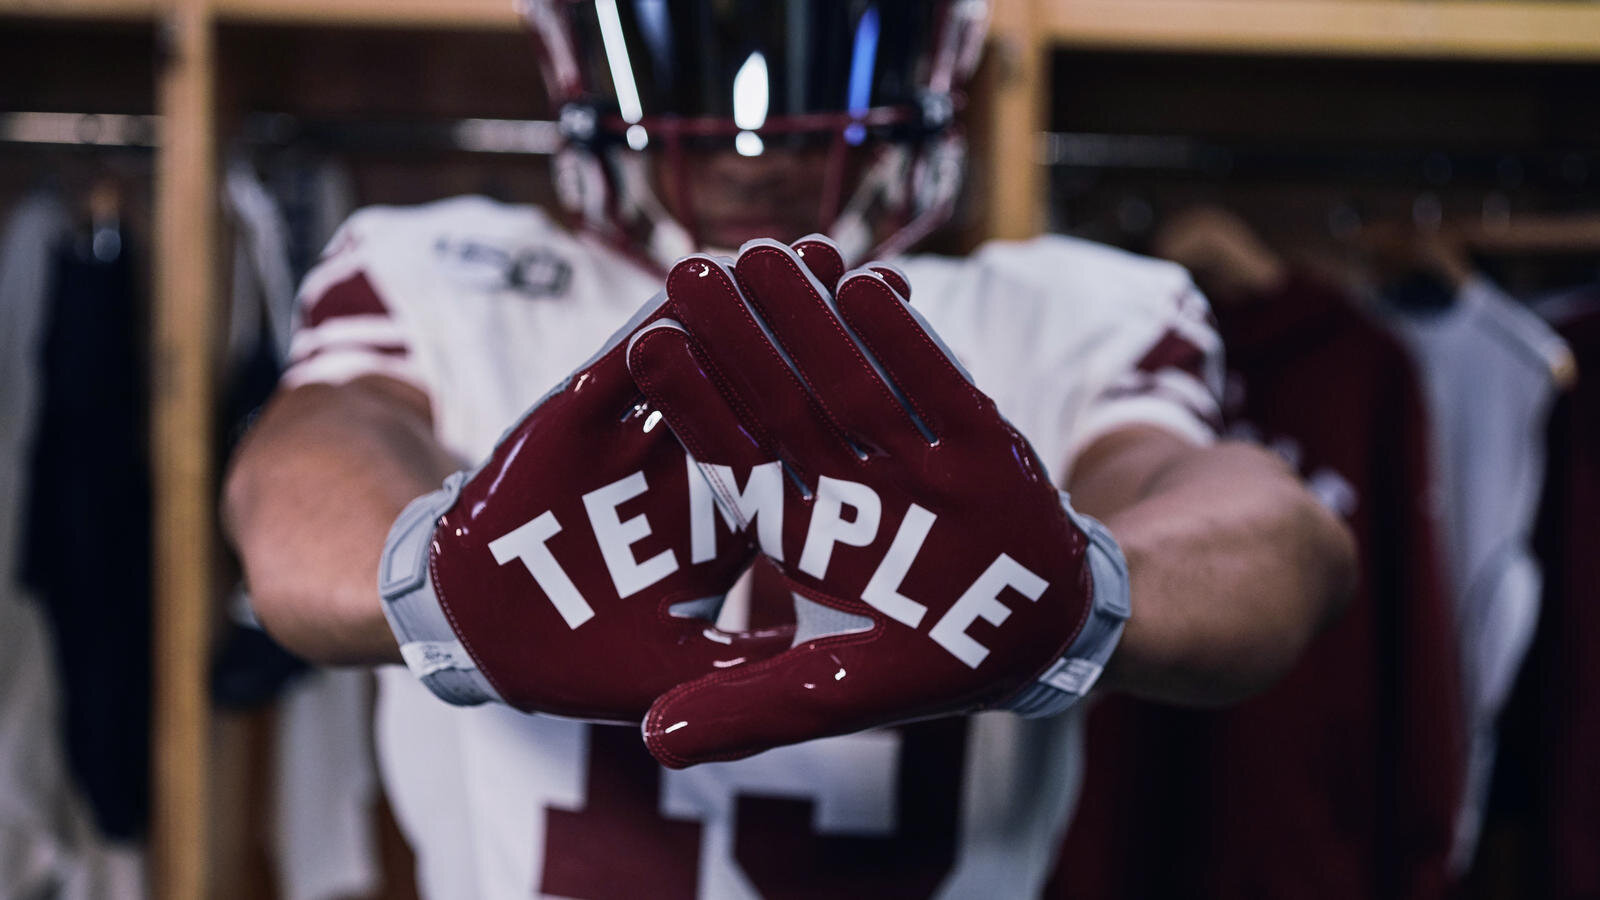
1482	29
110	10
461	14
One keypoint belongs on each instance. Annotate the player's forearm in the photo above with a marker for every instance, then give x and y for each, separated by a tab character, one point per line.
1234	568
308	502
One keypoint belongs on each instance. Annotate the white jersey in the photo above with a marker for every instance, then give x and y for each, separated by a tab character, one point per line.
1488	367
484	306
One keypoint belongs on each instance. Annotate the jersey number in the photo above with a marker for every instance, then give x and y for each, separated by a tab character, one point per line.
887	827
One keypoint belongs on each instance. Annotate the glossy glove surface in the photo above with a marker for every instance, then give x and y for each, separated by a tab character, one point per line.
580	567
935	567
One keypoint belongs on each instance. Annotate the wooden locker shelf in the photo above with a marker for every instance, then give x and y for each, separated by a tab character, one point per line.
1472	29
441	14
444	14
105	10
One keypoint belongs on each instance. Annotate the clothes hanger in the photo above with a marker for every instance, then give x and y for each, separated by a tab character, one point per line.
1223	253
105	219
1428	258
1531	234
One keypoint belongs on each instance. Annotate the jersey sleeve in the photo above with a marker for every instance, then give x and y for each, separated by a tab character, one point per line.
1077	340
350	320
1170	376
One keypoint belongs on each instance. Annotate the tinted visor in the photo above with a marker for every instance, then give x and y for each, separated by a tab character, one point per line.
752	61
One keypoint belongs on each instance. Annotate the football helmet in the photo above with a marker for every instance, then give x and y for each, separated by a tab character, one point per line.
873	86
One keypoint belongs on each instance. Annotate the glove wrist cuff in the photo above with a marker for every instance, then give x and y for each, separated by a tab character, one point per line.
1071	676
428	644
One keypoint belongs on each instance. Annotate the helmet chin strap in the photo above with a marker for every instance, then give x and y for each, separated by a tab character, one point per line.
883	182
935	184
666	240
923	188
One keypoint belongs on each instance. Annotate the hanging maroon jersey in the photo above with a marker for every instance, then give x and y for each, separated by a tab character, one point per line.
1558	740
1343	779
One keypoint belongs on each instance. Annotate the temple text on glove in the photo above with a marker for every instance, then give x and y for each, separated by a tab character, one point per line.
714	489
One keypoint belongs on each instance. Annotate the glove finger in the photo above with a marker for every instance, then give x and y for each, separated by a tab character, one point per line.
759	380
825	687
669	368
896	278
741	712
846	381
660	655
931	381
822	257
690	648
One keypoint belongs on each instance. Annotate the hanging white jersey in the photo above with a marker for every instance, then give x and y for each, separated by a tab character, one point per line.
484	306
1489	369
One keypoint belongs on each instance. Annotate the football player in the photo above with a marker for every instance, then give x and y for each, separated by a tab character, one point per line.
968	490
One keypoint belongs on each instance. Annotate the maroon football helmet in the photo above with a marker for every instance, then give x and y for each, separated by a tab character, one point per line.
867	89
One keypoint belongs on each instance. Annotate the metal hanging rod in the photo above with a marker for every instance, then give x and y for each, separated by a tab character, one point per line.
1184	155
79	129
497	136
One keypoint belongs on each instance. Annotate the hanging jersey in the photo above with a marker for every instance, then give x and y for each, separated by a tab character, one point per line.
1351	765
1489	370
1549	732
1558	734
483	306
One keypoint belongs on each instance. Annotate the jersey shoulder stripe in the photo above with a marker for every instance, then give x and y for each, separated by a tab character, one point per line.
378	283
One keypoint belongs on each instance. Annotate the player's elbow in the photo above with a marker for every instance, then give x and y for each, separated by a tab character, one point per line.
1309	578
246	524
265	524
240	491
1331	566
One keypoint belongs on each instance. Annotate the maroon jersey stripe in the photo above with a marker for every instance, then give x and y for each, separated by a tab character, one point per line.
1144	385
396	350
353	296
1174	351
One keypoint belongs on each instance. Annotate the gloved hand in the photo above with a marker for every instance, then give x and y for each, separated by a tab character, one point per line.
577	570
934	566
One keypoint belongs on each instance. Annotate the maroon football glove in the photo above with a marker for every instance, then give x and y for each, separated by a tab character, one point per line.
576	572
934	566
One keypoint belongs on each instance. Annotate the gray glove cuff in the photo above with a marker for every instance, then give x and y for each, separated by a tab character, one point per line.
1061	685
427	642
